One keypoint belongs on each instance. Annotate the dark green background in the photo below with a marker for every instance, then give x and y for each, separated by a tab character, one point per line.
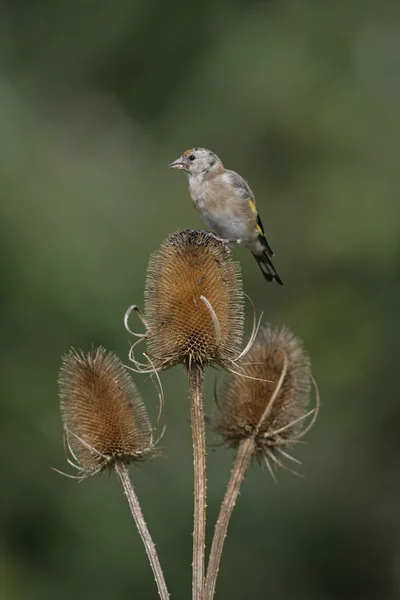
302	97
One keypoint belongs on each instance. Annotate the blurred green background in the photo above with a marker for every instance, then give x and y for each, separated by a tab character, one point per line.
302	97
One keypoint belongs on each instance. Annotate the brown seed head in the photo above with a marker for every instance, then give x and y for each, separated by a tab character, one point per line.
194	301
243	401
104	417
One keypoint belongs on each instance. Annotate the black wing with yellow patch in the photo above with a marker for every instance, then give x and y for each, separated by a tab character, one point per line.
243	190
260	228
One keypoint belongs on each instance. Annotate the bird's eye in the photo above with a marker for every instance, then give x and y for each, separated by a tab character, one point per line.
192	157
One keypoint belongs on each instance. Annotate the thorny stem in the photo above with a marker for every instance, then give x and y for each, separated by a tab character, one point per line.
137	514
243	456
196	376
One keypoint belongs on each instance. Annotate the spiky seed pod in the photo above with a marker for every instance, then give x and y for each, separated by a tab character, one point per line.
193	301
243	401
104	417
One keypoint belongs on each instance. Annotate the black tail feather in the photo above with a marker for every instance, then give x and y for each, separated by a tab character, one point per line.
267	268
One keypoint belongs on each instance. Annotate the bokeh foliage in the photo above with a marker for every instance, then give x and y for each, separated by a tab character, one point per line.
302	97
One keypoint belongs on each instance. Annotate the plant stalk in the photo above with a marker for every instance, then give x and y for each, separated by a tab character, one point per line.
243	456
245	452
137	514
196	377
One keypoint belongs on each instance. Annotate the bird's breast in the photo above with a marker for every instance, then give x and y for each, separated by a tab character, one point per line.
196	191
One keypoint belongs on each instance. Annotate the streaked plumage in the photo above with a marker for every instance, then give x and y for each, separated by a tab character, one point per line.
227	205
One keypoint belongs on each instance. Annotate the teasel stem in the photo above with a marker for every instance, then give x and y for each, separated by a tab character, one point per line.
137	514
196	377
194	316
245	452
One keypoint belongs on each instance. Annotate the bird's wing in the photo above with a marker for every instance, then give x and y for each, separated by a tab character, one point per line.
240	185
243	190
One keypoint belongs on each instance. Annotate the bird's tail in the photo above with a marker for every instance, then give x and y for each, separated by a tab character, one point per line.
267	268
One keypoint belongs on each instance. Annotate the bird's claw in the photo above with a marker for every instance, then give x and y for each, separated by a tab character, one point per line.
225	242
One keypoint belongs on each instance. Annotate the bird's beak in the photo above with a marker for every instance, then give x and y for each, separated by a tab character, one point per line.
177	164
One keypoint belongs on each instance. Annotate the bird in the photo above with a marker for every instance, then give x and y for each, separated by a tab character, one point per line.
227	205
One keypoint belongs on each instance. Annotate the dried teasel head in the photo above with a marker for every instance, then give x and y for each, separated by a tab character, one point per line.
105	420
270	404
193	301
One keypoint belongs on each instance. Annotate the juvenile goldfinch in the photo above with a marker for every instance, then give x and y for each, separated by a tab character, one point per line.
227	205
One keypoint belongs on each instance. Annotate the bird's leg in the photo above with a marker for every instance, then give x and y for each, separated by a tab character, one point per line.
219	239
224	241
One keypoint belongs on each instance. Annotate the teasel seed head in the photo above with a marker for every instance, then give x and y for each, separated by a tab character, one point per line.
193	301
105	420
270	403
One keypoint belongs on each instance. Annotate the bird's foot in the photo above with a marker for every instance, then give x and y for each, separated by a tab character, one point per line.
224	241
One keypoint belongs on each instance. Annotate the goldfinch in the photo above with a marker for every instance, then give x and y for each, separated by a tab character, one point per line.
227	205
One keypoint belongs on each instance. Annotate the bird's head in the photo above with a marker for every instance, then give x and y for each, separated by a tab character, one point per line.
196	162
